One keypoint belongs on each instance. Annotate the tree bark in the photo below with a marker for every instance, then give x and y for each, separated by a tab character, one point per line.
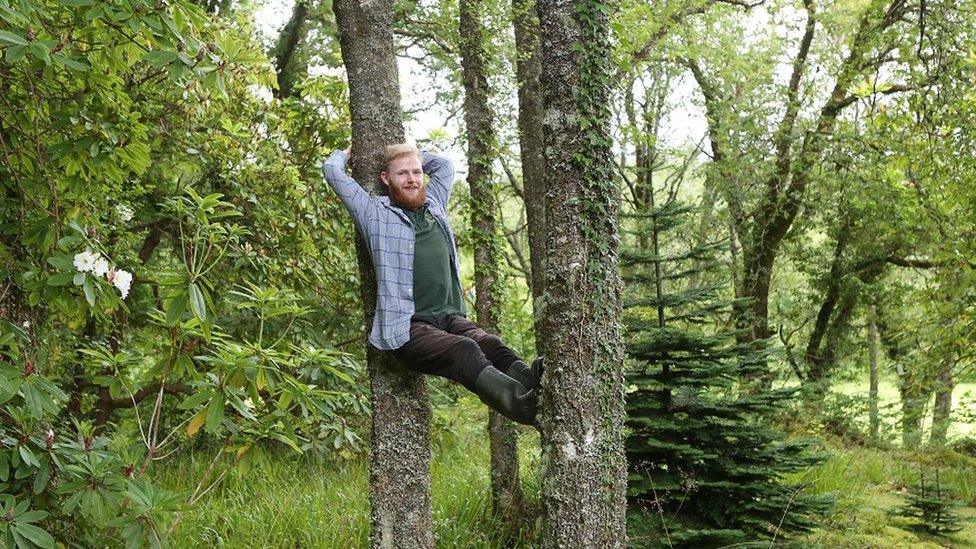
399	492
527	68
874	421
284	52
506	492
941	414
582	409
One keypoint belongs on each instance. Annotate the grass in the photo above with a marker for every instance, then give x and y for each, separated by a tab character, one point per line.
963	398
291	501
870	482
294	502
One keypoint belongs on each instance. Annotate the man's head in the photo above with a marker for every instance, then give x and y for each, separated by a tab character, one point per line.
404	176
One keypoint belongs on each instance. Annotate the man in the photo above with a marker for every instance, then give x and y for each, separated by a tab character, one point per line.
420	316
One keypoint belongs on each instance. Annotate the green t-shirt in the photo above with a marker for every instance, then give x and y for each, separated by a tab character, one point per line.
436	290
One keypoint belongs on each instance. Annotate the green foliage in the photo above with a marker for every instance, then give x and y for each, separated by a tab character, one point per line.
931	505
168	278
706	466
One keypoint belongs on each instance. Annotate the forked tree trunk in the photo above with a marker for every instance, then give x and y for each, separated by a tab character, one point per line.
399	487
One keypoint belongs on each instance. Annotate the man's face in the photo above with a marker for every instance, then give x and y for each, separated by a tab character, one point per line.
404	178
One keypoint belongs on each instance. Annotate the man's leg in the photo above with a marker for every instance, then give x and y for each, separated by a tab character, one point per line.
500	355
434	351
431	350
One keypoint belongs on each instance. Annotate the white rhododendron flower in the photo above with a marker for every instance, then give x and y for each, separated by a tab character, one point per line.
121	279
125	212
100	267
85	261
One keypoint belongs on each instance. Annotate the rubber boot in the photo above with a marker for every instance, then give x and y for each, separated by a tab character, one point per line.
537	371
529	376
522	373
507	396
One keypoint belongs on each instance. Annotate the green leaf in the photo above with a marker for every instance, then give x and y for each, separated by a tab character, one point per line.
11	15
32	516
175	308
184	366
161	58
193	401
339	374
15	53
40	51
89	292
197	303
37	535
78	2
215	413
12	39
65	242
28	456
70	63
40	482
62	262
79	279
61	279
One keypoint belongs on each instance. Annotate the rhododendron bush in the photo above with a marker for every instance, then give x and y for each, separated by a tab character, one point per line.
167	276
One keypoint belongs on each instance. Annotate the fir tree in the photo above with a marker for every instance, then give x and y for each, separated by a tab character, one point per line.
705	463
932	504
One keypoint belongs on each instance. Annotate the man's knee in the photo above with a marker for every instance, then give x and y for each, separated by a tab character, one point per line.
490	342
468	350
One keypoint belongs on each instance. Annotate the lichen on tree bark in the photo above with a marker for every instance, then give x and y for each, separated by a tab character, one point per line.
399	492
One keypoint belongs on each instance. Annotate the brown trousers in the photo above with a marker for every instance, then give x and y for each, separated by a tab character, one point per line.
452	346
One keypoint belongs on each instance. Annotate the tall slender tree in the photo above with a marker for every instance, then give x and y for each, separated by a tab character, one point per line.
399	492
527	66
583	464
505	487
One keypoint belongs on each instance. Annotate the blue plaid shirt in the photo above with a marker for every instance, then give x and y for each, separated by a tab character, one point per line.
390	238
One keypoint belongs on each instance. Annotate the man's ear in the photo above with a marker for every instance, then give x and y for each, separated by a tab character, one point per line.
386	182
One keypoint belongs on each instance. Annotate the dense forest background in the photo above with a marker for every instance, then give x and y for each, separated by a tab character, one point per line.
788	192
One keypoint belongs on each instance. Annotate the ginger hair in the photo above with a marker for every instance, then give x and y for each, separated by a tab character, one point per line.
399	150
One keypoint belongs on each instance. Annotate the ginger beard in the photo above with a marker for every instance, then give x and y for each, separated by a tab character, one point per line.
409	198
404	181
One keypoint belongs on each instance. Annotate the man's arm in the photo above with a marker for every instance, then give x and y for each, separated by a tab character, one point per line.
441	172
352	194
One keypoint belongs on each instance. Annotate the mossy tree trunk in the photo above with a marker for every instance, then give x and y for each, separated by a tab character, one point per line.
506	493
582	409
399	492
527	66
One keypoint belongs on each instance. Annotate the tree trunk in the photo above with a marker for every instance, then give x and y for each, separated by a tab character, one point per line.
944	383
399	493
786	188
284	52
584	470
506	492
874	422
527	67
913	398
